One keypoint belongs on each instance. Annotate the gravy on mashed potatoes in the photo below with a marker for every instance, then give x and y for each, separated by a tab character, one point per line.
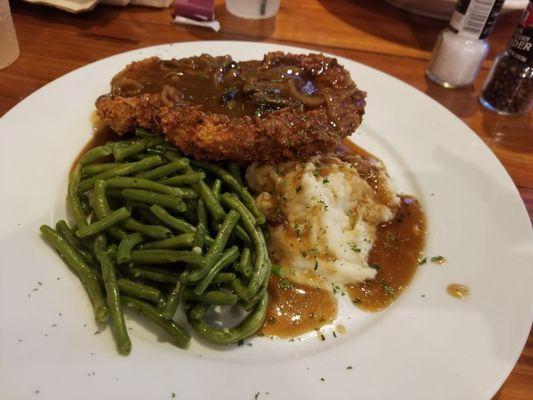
329	219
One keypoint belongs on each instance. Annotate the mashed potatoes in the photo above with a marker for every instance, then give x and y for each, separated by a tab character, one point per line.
323	216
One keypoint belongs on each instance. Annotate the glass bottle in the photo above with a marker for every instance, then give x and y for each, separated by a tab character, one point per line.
462	45
508	89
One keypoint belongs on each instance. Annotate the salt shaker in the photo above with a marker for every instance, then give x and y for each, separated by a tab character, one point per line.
462	45
509	88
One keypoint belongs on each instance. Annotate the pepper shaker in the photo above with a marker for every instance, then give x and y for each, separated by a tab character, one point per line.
509	88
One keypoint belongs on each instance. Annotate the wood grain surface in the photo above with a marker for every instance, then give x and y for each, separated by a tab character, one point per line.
54	42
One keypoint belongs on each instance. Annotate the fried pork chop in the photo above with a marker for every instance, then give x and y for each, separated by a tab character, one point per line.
284	107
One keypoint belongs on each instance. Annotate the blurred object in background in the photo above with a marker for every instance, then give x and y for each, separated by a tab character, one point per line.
78	6
509	87
195	12
9	47
443	9
198	10
462	45
253	9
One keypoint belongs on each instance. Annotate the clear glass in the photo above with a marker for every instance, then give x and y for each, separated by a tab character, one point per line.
253	9
9	47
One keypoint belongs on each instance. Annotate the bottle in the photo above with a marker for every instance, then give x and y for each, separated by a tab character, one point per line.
508	89
462	45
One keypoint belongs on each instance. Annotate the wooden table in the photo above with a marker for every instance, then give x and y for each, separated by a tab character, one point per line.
54	42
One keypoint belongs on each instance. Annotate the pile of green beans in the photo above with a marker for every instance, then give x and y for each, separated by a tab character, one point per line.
153	230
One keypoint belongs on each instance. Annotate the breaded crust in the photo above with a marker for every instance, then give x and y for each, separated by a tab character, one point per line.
283	134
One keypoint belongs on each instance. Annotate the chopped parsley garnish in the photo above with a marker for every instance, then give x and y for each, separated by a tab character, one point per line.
316	266
349	367
284	284
357	301
356	249
325	181
422	261
388	289
298	188
438	260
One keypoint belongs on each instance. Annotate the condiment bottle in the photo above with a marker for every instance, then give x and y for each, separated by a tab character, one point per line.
509	88
462	45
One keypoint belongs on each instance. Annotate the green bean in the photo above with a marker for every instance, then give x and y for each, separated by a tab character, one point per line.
250	304
226	259
158	256
95	169
146	216
96	153
73	197
199	309
199	238
180	335
189	214
185	240
177	223
232	183
121	170
115	193
150	274
63	229
245	263
224	277
235	170
241	234
113	296
85	204
112	250
217	188
112	219
210	200
164	170
201	211
184	179
85	273
262	262
232	201
139	290
156	232
102	209
250	325
217	247
141	132
143	155
172	301
173	155
142	183
126	149
211	297
126	245
163	200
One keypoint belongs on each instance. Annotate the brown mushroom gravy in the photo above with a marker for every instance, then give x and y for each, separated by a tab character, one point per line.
296	309
235	89
458	290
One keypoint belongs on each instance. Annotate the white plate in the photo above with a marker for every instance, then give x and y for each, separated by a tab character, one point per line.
432	347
